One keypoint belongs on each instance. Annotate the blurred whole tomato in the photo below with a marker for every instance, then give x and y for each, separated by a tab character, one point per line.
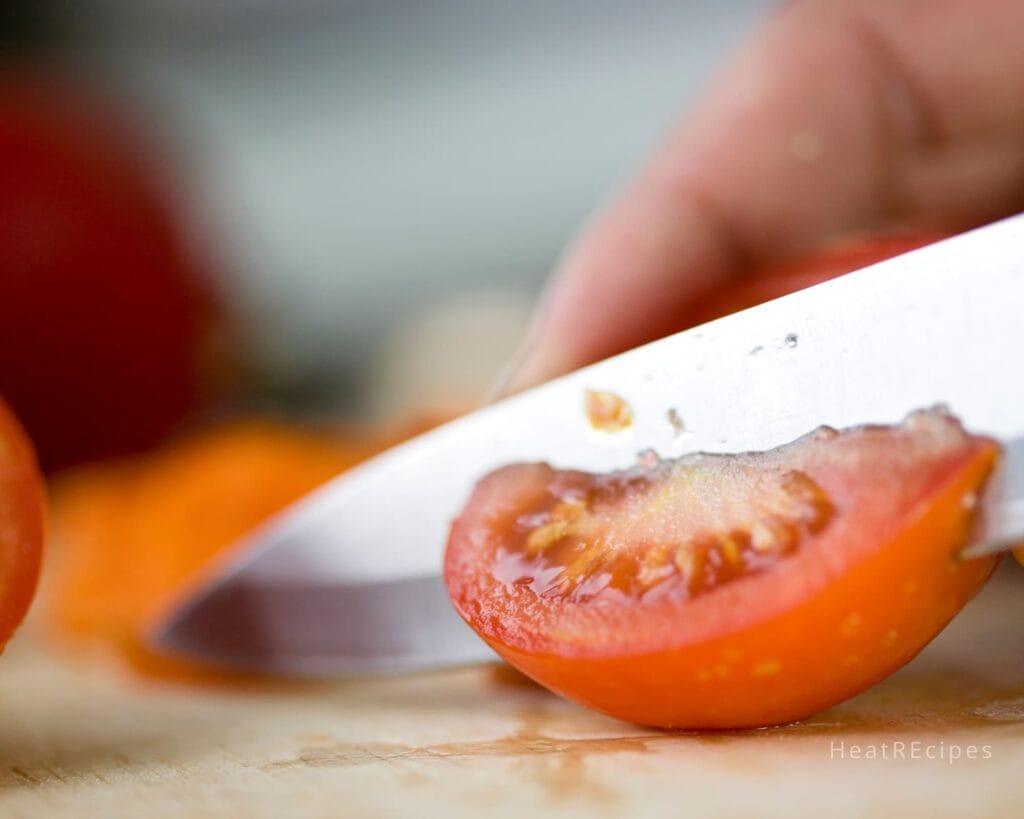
104	316
836	257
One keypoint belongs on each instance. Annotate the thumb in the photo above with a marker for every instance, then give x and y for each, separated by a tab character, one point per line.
620	285
823	124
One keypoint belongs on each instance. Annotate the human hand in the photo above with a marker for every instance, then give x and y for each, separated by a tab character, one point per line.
837	115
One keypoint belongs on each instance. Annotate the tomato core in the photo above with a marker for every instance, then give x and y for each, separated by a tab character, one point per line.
592	538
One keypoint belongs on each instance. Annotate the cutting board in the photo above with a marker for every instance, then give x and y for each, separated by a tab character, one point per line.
79	739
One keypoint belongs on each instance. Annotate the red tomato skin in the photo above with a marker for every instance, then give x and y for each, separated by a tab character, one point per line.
809	648
833	259
104	314
22	523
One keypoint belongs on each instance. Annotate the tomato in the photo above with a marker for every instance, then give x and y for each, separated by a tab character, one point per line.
106	320
726	591
22	514
832	259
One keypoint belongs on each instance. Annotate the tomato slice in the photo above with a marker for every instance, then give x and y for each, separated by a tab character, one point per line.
726	591
22	516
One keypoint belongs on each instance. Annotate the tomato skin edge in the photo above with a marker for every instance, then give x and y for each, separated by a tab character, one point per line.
22	484
820	652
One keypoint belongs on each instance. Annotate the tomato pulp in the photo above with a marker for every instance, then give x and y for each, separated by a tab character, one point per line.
726	591
22	515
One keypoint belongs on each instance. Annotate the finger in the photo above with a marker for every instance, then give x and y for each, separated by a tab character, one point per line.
836	116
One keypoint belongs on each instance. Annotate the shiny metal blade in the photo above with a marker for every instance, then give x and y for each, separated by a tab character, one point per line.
393	625
939	325
988	548
1005	510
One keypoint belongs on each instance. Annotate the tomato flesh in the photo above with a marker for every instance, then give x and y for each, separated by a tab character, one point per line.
599	537
22	515
726	591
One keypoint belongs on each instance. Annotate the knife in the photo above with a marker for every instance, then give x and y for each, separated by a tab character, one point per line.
348	579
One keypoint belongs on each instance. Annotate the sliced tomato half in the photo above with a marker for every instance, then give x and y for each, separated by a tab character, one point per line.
22	517
726	591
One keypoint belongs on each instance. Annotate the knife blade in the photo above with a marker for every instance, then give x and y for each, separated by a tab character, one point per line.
1004	529
348	579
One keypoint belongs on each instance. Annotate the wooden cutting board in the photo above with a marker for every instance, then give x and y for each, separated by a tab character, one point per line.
79	740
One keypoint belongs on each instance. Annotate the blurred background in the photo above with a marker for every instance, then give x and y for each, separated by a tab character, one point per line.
370	193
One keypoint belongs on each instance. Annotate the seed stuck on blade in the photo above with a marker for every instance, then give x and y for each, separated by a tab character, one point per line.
606	411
